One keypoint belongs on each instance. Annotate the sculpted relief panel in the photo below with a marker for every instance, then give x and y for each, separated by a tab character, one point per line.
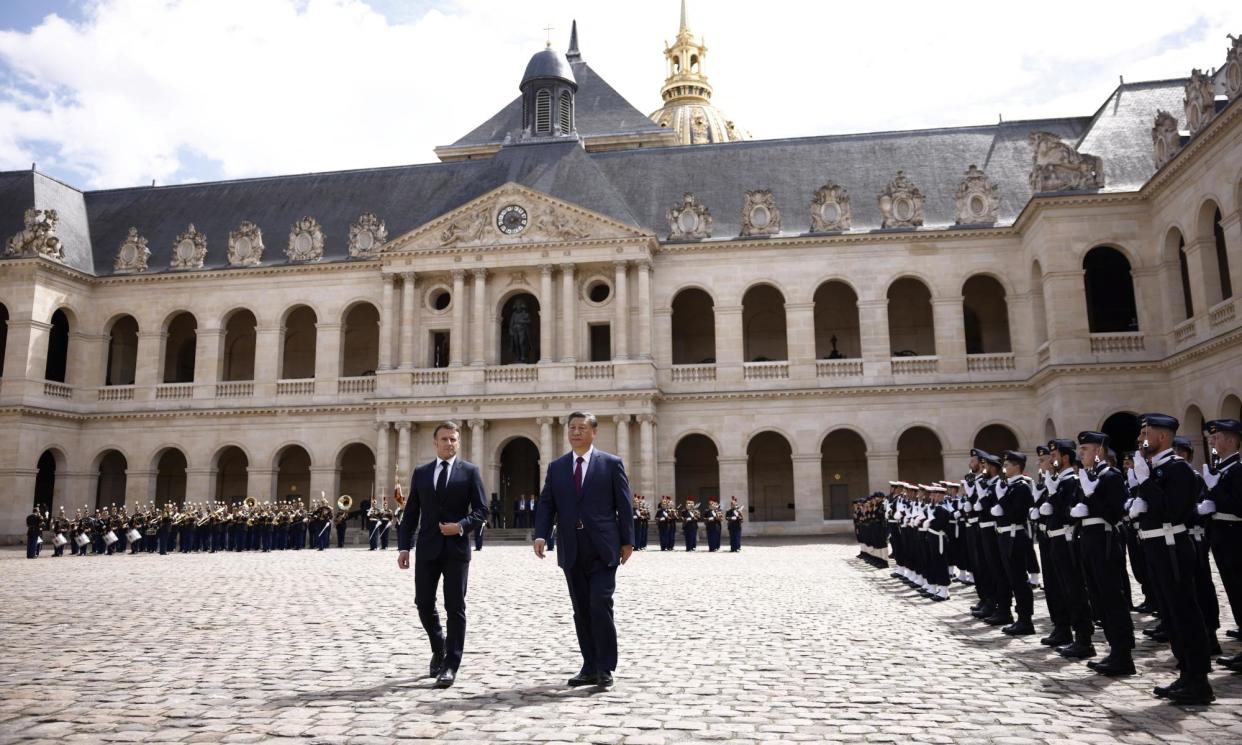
38	237
1058	167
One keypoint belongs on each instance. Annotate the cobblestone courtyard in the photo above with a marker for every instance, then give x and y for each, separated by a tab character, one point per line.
778	643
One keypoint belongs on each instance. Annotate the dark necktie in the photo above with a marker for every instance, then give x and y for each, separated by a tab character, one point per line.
442	479
578	477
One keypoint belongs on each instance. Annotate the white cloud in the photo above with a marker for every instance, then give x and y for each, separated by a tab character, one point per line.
187	89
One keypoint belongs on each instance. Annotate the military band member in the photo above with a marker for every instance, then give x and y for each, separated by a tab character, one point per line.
323	516
342	522
34	524
1223	506
386	527
711	520
666	523
642	522
734	516
60	531
1165	499
690	517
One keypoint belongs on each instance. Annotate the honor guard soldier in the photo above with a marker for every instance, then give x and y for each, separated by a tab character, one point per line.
34	525
1223	506
1103	492
1165	499
642	521
342	522
1063	493
373	528
993	576
1197	526
495	512
324	517
665	524
386	527
733	516
1014	500
60	529
711	520
690	524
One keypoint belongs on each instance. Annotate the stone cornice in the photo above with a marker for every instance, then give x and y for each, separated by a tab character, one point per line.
819	240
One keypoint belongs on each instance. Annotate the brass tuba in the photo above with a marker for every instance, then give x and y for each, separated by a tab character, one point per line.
344	502
251	503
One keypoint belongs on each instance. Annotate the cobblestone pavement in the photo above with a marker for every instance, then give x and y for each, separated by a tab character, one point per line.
779	643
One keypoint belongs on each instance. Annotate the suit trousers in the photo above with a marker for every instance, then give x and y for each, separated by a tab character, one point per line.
1073	587
427	574
591	584
1052	583
1172	572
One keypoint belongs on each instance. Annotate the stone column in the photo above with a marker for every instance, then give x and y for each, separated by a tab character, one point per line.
140	486
547	314
478	445
734	482
950	334
800	334
327	356
569	321
457	335
260	482
661	341
877	347
1150	308
386	322
729	336
547	451
477	327
644	350
1231	224
409	319
1202	269
147	372
207	360
621	312
198	486
808	488
323	479
268	350
623	438
383	468
647	454
403	450
955	463
881	469
1066	302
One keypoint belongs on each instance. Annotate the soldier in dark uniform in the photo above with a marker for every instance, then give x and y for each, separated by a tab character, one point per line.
1014	501
1223	505
733	516
323	516
993	574
1063	493
689	516
642	519
386	527
34	523
1198	526
342	522
495	512
665	523
1165	498
711	520
60	529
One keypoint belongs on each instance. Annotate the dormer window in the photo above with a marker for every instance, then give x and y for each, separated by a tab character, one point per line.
567	112
543	112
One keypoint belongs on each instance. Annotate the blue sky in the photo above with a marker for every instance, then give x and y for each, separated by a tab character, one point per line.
108	93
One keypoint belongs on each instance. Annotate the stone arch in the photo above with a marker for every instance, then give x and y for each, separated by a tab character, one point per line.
1231	407
1109	286
291	465
57	366
170	464
355	467
121	363
996	438
240	340
985	312
298	341
920	458
769	472
110	473
360	334
837	331
1214	253
693	327
180	347
696	473
764	330
843	471
521	348
47	487
230	469
1192	429
519	460
911	328
1174	253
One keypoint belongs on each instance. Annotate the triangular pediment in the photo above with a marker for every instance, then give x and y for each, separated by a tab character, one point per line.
533	218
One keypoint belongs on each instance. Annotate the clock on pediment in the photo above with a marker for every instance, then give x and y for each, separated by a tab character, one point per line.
512	220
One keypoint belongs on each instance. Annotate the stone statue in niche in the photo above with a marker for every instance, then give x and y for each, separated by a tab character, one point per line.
521	345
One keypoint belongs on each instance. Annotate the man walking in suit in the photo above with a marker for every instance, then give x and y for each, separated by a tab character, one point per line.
448	495
587	496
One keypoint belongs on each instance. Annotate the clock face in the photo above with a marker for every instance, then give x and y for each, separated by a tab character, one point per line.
512	220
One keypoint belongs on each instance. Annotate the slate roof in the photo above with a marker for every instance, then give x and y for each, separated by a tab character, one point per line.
634	187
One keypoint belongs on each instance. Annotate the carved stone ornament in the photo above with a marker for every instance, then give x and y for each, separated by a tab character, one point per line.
189	249
689	220
1200	101
1233	68
305	241
471	227
1056	166
901	203
367	235
38	237
830	209
1165	140
133	254
760	215
977	199
560	225
246	245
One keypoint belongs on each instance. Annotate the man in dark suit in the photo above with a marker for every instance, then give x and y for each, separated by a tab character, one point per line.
587	496
448	495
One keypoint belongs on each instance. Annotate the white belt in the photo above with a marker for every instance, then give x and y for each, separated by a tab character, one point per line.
1011	529
972	520
1226	517
1167	532
1067	531
939	533
1096	521
988	525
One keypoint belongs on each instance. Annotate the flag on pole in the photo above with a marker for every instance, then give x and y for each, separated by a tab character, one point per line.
396	491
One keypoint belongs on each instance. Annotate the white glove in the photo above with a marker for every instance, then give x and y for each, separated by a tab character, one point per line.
1050	482
969	488
1089	485
1033	514
1131	479
1142	471
1045	509
976	507
965	487
1206	507
1209	478
957	514
997	511
1002	486
1137	507
1080	510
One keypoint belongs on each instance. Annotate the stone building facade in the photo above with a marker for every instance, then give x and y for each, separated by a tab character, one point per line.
794	322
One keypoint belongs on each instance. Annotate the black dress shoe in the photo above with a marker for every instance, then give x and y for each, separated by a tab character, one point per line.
999	619
437	664
1153	630
1060	636
604	681
1214	648
1144	607
1114	665
1234	633
1022	627
1194	692
1164	691
584	678
1076	651
446	678
1160	636
1229	662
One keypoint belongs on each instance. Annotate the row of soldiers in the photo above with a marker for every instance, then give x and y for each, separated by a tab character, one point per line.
689	516
1085	513
203	527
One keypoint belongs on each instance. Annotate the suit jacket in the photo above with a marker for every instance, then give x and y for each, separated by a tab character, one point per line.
605	508
462	502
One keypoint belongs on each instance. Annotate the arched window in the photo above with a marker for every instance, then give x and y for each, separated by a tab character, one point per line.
239	343
694	329
843	472
179	349
769	469
122	352
919	458
986	316
57	348
696	473
763	325
911	330
1110	291
836	322
360	341
543	112
1210	237
1188	305
567	112
1222	257
298	358
996	439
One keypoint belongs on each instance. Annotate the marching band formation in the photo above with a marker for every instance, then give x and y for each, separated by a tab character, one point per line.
1080	519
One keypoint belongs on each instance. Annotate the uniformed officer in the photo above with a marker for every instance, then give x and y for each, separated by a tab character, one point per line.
1165	498
993	575
1064	492
1197	526
642	522
34	523
1223	505
711	520
690	517
1014	501
665	524
734	518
